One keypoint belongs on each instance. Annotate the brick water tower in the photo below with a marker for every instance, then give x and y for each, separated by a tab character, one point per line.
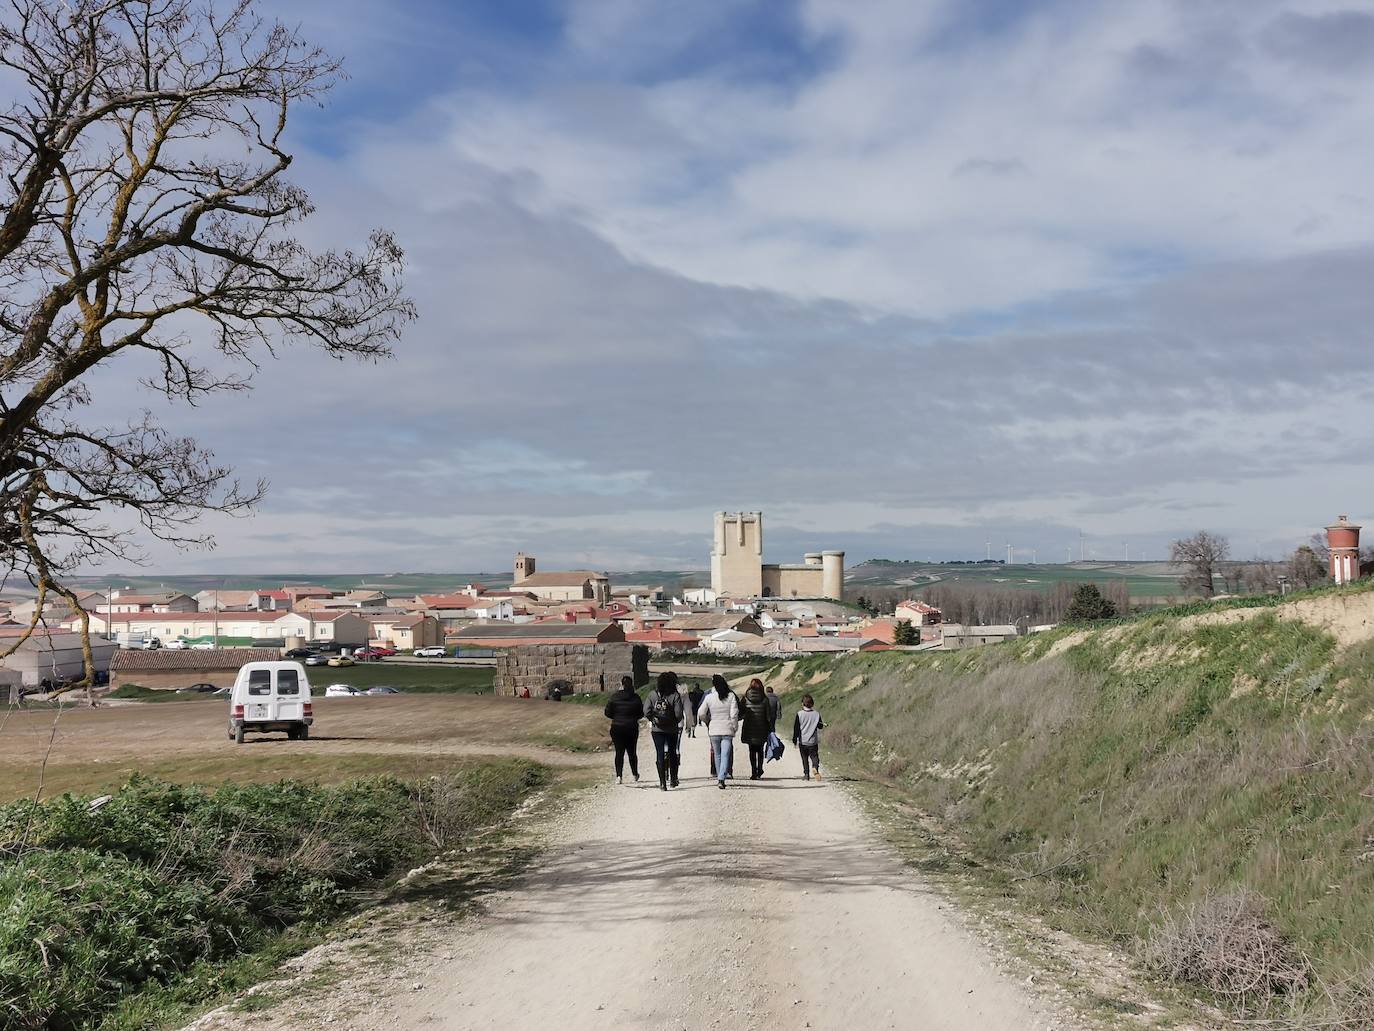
1343	538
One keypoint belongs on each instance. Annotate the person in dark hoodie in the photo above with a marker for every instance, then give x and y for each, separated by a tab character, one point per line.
625	710
756	717
664	713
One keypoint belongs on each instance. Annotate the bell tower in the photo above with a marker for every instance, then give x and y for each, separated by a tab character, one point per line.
524	566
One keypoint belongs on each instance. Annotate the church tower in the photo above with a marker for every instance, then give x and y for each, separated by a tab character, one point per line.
524	566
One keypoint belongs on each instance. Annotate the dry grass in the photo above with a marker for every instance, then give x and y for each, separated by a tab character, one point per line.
1227	945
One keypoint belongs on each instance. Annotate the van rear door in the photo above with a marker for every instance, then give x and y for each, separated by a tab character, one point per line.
288	695
258	707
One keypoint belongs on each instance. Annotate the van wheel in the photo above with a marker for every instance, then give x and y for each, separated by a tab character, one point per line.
238	735
303	734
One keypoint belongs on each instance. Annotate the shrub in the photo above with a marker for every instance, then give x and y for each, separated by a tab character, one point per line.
97	902
1227	945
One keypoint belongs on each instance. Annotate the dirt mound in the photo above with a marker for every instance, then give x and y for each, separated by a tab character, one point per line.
1349	618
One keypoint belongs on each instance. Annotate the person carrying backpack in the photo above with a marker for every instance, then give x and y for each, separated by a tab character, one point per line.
625	710
664	713
694	697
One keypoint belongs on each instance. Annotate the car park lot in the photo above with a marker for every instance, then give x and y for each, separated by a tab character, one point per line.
407	735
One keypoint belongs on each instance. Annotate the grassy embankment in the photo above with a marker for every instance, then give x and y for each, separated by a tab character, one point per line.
167	896
1194	788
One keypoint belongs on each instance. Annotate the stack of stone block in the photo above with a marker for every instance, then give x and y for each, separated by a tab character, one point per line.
587	667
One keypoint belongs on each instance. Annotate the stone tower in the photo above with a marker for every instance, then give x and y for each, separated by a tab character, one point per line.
1343	538
737	554
524	566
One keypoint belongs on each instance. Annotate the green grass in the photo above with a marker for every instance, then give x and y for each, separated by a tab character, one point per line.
1147	766
414	679
168	895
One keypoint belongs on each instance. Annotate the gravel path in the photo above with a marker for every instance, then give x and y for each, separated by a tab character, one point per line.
767	905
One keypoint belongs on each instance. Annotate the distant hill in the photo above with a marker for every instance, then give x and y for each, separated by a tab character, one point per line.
1144	579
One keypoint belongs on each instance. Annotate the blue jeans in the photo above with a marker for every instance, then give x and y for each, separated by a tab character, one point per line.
722	747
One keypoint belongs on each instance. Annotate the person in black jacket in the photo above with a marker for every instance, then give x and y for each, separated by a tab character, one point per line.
664	713
625	710
756	723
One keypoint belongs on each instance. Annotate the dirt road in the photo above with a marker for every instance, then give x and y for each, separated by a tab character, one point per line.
767	905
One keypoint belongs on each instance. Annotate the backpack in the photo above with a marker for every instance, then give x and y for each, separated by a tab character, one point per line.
663	716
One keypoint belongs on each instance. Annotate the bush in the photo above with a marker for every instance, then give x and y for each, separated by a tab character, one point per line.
99	902
1227	945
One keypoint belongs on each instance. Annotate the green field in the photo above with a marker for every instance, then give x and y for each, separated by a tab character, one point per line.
1143	579
405	677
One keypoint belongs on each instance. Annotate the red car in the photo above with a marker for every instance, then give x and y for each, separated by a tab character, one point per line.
383	651
368	654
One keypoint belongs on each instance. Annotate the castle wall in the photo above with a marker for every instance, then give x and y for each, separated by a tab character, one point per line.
588	667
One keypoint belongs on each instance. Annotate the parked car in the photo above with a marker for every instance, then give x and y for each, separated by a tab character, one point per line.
268	697
300	653
198	689
340	660
341	691
383	650
434	651
203	646
176	646
316	659
328	647
366	654
382	690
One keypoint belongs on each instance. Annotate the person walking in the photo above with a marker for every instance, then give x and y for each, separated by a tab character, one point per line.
806	735
664	713
689	713
756	724
720	712
625	710
774	707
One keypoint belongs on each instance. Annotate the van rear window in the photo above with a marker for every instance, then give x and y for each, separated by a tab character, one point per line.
288	682
259	681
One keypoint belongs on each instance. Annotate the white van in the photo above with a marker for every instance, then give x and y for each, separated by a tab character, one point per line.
271	696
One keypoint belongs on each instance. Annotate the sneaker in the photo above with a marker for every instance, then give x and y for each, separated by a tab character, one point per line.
620	780
806	776
720	784
818	774
636	778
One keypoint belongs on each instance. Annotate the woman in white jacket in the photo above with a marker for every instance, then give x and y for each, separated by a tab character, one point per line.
720	712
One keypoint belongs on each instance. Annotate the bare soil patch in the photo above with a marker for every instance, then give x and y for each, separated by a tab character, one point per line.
97	749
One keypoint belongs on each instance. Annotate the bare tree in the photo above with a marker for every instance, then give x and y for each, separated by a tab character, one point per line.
1199	555
148	220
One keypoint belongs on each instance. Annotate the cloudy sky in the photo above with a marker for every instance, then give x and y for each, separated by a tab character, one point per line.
908	276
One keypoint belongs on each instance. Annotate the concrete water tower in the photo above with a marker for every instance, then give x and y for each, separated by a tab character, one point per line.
1343	538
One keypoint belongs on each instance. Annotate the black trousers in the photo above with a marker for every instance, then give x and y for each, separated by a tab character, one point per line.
811	756
756	758
666	746
626	741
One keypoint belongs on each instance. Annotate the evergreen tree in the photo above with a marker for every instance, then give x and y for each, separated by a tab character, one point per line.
1088	604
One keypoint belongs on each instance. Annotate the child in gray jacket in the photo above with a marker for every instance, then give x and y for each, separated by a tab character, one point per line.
806	735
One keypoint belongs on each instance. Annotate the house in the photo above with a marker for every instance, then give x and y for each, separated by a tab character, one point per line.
955	636
301	592
917	613
404	630
348	627
168	670
663	640
156	601
52	655
222	601
511	635
771	620
168	626
705	623
565	585
700	596
272	601
727	641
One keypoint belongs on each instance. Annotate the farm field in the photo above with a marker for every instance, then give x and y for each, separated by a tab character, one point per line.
408	736
1143	579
